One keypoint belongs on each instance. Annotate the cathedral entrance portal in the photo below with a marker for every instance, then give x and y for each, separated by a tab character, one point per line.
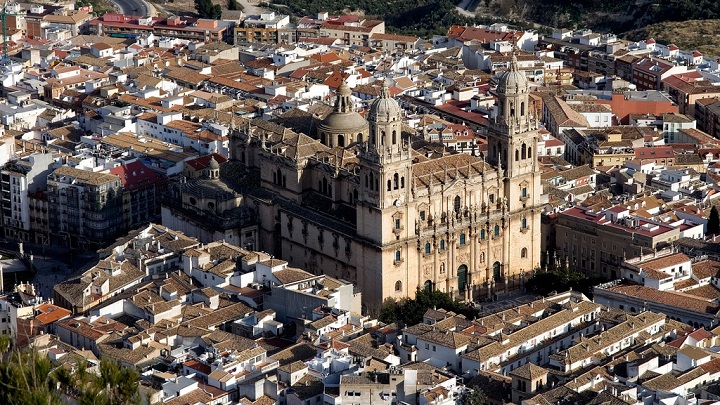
462	277
496	271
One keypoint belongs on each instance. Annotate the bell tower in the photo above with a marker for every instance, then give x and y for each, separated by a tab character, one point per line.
387	156
513	136
512	149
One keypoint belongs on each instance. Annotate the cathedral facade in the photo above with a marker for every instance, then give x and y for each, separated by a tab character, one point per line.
356	202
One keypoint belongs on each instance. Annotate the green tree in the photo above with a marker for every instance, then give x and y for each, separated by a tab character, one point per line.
119	384
235	5
713	226
473	396
411	311
206	9
25	379
561	280
28	378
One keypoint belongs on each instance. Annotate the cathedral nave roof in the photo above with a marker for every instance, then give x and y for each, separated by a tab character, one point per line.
447	168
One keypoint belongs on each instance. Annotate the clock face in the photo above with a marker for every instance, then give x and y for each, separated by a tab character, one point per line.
398	202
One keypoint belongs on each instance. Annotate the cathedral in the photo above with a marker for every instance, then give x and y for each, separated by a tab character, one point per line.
355	201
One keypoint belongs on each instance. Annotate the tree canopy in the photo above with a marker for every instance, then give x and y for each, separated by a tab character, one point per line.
235	5
561	280
410	311
206	9
27	377
713	226
473	396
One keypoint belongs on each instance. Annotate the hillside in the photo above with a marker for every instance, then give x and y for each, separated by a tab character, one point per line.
419	17
615	16
427	17
702	35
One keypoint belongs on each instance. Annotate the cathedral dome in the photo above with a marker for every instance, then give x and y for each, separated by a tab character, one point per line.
344	119
213	164
384	108
349	122
512	81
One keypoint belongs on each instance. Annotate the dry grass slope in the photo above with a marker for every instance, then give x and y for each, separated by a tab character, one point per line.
702	35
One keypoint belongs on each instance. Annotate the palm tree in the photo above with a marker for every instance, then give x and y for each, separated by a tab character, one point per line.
64	379
25	378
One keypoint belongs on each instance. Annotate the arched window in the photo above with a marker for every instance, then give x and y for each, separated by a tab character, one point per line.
442	244
279	176
427	248
462	238
482	234
456	204
427	286
524	223
402	182
355	195
396	181
329	190
398	286
397	255
523	192
529	151
497	230
522	108
323	138
512	109
382	137
341	140
524	151
394	137
517	154
389	185
325	186
372	181
523	253
360	137
367	182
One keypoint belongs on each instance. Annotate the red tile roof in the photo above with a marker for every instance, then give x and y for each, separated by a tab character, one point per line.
196	365
135	175
201	162
49	313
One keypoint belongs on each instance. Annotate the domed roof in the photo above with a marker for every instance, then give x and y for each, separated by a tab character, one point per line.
344	89
213	164
344	118
344	122
512	81
384	108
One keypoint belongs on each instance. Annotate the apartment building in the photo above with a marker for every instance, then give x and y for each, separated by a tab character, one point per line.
19	180
263	28
127	26
85	207
596	243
